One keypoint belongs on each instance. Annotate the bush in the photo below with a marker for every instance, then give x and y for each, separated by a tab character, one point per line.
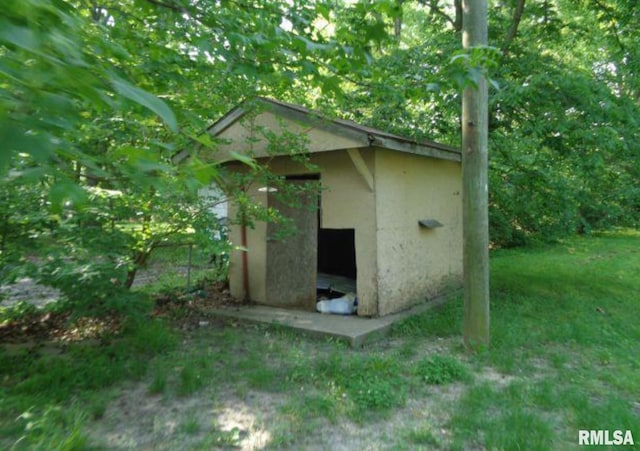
91	286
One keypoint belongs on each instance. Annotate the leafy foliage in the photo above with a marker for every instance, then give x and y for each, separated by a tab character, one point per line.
95	99
563	112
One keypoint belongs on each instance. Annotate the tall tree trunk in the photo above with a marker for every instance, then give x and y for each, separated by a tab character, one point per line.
475	216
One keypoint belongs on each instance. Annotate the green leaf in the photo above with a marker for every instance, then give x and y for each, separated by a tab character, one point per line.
203	138
243	159
147	100
65	191
203	172
15	139
324	11
21	37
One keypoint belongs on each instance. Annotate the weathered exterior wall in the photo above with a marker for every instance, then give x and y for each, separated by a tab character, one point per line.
415	263
347	202
245	137
256	257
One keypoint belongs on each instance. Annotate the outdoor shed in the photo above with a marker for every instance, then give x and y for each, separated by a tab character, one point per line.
388	221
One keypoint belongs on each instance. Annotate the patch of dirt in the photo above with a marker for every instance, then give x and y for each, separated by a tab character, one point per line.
253	421
225	416
41	326
431	412
187	309
138	420
495	378
27	290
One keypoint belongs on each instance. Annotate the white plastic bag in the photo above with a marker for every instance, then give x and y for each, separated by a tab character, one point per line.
346	305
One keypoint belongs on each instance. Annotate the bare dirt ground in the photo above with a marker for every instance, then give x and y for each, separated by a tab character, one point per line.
138	420
27	290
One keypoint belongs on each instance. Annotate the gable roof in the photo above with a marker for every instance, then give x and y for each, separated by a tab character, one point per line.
356	135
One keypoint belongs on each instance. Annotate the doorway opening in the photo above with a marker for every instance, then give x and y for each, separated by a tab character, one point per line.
337	271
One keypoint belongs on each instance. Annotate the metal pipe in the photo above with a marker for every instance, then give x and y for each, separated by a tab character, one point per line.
245	260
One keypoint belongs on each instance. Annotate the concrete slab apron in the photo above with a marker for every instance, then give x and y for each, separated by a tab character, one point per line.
354	329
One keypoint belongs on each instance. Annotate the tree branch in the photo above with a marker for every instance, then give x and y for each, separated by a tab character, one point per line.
176	8
436	11
612	21
513	29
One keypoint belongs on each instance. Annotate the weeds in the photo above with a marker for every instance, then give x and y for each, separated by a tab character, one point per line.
190	425
440	370
52	428
423	435
221	439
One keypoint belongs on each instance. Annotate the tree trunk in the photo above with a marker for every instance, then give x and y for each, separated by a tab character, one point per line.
140	258
397	23
475	215
457	23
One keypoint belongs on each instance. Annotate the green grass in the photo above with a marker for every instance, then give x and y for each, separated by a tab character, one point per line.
440	369
422	436
52	428
37	387
565	325
563	357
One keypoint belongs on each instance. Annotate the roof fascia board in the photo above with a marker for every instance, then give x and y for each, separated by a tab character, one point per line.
226	121
417	149
320	122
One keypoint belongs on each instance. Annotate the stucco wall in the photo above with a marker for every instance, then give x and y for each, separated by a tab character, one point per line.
347	202
245	136
256	257
416	263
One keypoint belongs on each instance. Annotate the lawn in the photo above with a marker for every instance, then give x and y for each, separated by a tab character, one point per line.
564	357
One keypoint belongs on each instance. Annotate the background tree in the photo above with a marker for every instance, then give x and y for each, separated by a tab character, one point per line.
562	114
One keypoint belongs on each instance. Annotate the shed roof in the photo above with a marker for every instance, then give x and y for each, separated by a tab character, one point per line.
362	136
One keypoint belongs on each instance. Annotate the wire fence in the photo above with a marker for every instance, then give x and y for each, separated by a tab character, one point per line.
180	265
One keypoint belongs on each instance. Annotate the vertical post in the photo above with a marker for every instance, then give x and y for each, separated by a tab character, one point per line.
111	215
245	259
475	191
189	265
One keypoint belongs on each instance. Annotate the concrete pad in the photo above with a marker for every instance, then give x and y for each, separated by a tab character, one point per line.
356	330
